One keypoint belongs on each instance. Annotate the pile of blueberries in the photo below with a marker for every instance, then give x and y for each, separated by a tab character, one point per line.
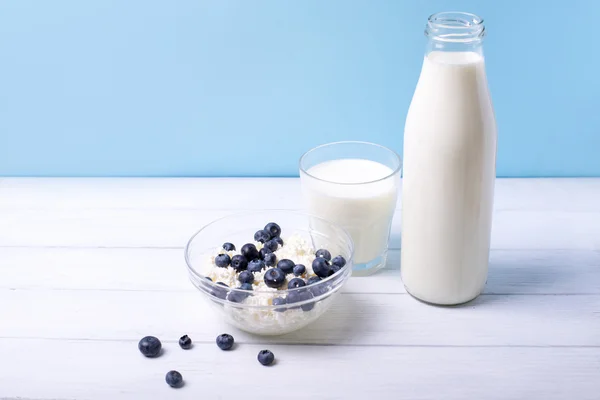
251	261
151	346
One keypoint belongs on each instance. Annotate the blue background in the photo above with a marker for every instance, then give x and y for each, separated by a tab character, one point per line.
243	88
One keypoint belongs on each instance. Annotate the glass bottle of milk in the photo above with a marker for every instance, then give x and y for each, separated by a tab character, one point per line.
449	166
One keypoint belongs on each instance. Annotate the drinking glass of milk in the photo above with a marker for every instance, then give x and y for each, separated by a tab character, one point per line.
355	185
449	166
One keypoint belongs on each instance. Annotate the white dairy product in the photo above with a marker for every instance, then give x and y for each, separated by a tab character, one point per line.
448	180
354	194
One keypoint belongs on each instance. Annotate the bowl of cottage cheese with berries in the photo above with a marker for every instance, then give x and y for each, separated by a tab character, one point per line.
270	272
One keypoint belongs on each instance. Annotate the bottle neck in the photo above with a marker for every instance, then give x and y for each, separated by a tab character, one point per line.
455	31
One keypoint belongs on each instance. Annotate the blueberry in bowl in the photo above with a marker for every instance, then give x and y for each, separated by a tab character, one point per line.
271	286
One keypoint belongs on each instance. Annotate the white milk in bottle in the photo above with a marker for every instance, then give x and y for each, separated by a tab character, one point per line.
449	166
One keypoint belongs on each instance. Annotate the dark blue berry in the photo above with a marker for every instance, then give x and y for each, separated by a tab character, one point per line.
225	341
237	296
228	246
279	301
301	295
263	253
287	266
274	278
333	269
249	251
318	288
296	283
262	236
246	276
299	269
272	245
279	241
273	229
221	293
209	278
321	267
339	261
222	261
312	280
185	342
256	265
150	346
323	253
270	260
246	286
174	379
239	262
266	357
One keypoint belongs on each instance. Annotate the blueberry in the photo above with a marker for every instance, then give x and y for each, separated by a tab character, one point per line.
239	263
299	269
266	357
256	266
287	266
279	241
296	283
274	278
339	261
174	379
262	236
209	278
246	286
221	293
334	269
317	287
228	246
222	261
279	301
246	277
185	342
323	253
272	245
270	260
301	295
150	346
236	296
321	267
273	229
263	253
312	280
225	341
249	251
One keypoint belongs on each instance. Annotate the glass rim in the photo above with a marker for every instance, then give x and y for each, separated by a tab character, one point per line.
392	152
441	19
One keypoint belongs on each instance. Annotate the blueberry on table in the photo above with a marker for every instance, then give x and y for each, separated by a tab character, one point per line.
266	357
296	283
250	252
262	236
299	269
339	261
323	253
256	266
239	262
246	286
287	266
301	295
321	267
246	277
272	245
270	260
225	341
150	346
228	246
222	261
279	301
274	277
273	229
185	342
174	379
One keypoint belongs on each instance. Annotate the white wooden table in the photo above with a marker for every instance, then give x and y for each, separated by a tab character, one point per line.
89	266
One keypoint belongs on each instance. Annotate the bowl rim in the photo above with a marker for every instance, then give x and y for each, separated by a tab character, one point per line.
210	284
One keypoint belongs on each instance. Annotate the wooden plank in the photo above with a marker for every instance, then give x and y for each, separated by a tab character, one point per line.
528	320
511	271
55	369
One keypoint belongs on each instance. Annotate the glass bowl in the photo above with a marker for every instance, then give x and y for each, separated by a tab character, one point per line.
253	311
